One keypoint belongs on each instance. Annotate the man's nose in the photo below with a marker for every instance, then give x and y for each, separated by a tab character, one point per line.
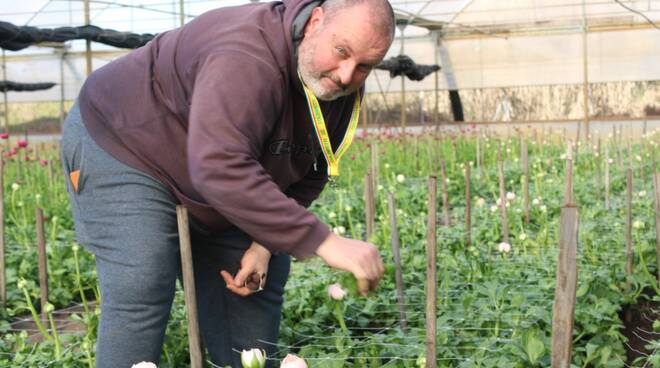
345	73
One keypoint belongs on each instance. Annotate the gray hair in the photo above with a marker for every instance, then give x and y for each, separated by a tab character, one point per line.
382	12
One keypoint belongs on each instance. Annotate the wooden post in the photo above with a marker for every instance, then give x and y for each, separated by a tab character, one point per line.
656	187
479	156
374	164
564	305
598	162
568	188
397	263
431	277
370	205
629	250
43	268
503	211
525	168
607	177
3	273
194	341
468	206
445	194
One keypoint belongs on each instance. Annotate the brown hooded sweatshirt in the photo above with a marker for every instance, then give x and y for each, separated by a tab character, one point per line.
216	111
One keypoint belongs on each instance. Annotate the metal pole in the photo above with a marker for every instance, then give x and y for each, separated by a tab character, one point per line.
88	43
4	77
62	89
182	16
586	70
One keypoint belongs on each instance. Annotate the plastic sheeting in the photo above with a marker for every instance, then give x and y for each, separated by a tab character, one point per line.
16	38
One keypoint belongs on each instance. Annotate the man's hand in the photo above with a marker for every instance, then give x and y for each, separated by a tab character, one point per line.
254	266
360	258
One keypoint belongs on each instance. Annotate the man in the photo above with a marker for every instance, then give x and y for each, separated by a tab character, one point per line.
214	115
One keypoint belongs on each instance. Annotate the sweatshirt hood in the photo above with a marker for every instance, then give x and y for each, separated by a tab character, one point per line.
295	17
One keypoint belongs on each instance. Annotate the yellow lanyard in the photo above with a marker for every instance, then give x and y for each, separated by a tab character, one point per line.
322	132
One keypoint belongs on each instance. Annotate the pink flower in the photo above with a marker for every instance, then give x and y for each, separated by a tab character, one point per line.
336	292
22	143
4	135
43	162
293	361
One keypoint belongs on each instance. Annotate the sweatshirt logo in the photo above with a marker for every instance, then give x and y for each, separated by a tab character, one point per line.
283	146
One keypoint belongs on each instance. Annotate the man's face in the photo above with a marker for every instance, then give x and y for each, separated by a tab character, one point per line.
336	55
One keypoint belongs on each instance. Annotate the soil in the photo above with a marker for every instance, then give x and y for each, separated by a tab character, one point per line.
63	322
638	327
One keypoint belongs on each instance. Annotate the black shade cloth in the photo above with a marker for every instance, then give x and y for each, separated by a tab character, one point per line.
456	105
403	64
6	86
16	38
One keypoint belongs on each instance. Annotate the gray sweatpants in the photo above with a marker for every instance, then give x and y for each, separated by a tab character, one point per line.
127	219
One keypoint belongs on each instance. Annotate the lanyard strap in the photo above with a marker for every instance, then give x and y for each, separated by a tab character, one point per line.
322	132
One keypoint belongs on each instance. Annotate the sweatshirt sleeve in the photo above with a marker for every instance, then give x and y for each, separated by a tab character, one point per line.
235	103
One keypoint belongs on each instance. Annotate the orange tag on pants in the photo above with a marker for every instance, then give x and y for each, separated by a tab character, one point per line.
74	179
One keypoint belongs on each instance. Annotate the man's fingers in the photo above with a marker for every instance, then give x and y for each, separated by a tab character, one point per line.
363	286
229	280
241	276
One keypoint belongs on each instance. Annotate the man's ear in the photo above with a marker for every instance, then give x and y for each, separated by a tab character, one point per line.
315	20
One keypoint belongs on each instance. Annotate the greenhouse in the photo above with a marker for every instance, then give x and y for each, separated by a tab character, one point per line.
330	183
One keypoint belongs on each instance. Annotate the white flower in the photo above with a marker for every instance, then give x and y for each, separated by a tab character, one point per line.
480	202
544	208
253	358
522	236
293	361
144	365
37	196
504	247
339	230
562	156
387	166
15	186
642	193
336	292
510	196
498	201
49	308
75	247
400	178
610	161
380	187
21	283
348	208
638	224
536	201
493	208
332	215
638	158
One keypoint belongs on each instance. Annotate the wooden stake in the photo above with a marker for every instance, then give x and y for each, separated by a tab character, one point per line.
397	263
374	164
656	187
3	279
564	305
3	273
194	341
629	250
468	206
607	177
370	205
525	168
43	267
568	188
431	277
445	194
503	211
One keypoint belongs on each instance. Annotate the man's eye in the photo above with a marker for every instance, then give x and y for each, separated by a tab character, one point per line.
341	51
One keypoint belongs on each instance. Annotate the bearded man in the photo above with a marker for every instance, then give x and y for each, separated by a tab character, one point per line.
238	115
